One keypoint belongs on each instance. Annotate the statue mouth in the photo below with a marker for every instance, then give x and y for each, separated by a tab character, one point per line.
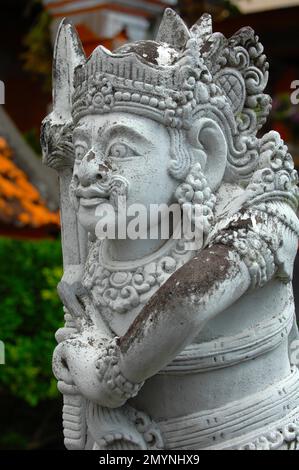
91	191
94	201
108	192
92	195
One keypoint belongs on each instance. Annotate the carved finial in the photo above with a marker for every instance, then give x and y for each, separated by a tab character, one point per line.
173	30
202	28
68	54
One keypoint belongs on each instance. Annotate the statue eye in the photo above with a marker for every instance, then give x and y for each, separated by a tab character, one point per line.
80	151
120	151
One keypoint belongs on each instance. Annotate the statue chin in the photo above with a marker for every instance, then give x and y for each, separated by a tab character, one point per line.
87	218
99	220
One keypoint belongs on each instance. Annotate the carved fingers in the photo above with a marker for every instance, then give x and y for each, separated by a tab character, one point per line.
61	369
109	373
88	365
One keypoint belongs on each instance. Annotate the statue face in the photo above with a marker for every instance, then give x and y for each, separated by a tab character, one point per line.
133	150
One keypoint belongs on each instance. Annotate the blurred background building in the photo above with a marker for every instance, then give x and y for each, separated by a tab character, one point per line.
31	268
108	23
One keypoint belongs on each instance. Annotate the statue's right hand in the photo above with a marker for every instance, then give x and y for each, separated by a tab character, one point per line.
59	364
76	366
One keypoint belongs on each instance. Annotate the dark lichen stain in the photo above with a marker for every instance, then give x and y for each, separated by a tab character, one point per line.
90	156
207	46
148	50
244	223
198	277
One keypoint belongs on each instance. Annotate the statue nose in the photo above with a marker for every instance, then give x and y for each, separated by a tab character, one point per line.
92	169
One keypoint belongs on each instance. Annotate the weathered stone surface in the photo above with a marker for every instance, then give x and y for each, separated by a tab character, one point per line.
170	345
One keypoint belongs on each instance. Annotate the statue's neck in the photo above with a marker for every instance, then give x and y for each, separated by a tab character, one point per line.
128	250
123	250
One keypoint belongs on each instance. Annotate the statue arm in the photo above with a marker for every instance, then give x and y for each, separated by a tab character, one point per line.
247	254
111	370
197	292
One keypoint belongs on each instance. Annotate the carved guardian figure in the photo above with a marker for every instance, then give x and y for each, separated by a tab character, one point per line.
165	346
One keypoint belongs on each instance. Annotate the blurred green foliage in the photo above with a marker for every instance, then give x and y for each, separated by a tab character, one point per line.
30	314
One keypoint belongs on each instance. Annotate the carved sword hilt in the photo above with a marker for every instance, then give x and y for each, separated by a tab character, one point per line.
74	405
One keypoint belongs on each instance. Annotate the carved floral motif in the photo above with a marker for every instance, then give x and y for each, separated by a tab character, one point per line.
122	290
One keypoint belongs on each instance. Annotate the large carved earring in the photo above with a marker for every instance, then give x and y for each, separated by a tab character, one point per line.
202	171
195	193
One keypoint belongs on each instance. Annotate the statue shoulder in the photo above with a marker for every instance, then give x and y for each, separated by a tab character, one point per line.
258	219
271	187
274	178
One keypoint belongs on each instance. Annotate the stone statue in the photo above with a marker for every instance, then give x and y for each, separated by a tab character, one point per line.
165	346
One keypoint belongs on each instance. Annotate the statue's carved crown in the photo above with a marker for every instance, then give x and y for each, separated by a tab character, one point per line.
172	78
180	77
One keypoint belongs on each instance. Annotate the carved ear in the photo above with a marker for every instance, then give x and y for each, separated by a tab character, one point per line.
68	54
173	30
210	149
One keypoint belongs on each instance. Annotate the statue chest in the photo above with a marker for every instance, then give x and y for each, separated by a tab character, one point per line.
119	291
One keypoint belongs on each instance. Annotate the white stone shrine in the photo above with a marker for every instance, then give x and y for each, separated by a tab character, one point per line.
166	346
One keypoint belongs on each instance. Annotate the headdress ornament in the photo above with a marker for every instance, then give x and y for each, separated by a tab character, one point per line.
182	75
